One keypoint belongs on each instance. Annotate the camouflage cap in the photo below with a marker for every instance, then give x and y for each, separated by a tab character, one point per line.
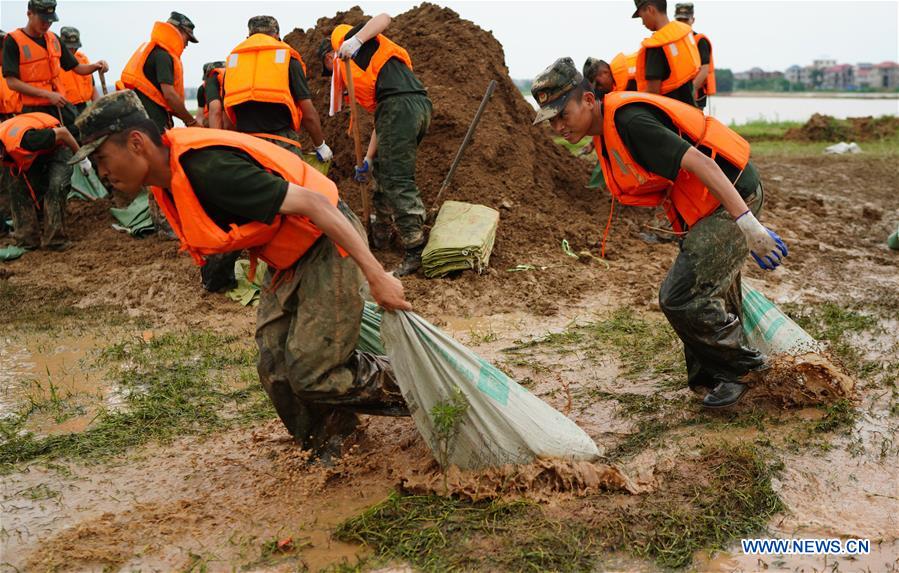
46	9
591	68
71	37
552	88
179	20
110	114
209	66
264	25
639	4
683	11
324	47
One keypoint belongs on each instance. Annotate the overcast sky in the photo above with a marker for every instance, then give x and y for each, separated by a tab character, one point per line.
769	34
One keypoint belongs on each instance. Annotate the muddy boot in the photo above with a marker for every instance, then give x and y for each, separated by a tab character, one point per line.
328	442
379	394
411	262
380	235
725	394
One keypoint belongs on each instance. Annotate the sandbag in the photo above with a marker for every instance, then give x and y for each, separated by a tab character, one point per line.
462	238
503	424
135	218
87	186
772	331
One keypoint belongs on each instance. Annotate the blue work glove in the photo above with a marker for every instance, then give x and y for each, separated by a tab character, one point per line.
362	172
767	248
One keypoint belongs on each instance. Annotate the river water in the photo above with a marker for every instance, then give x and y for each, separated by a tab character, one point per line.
743	109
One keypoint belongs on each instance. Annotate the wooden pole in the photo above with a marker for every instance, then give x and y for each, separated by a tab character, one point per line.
357	142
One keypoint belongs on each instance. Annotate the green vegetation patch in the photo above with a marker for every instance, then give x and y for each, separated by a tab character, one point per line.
175	384
706	503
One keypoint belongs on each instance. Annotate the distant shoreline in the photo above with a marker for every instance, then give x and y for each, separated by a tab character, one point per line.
814	95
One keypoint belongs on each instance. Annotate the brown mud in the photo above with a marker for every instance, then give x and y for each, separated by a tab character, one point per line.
806	380
829	129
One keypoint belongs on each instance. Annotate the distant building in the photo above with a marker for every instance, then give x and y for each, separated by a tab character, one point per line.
863	73
827	75
793	74
838	77
885	75
821	64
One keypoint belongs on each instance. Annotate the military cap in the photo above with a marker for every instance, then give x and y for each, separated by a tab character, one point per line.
591	68
71	37
554	86
46	9
110	114
264	25
683	11
324	47
182	22
209	66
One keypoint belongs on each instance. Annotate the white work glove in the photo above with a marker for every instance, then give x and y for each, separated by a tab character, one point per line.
85	165
324	153
349	48
767	248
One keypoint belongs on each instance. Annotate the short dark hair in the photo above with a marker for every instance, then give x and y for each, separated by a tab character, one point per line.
661	5
143	125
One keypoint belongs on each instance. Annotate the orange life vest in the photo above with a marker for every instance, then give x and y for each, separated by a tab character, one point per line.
280	244
258	70
38	66
710	86
676	40
10	100
686	200
220	74
624	69
12	131
77	88
169	39
365	81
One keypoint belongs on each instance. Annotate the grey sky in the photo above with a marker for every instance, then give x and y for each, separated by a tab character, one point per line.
769	34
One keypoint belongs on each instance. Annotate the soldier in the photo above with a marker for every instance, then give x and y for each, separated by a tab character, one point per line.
668	60
78	89
266	92
386	86
210	95
598	74
32	62
223	191
34	148
10	104
156	74
662	152
704	82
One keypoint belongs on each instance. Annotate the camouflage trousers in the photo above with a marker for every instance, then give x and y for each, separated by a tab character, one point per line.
702	299
42	224
307	328
401	122
160	223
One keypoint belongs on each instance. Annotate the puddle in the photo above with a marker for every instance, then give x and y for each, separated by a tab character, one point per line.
53	378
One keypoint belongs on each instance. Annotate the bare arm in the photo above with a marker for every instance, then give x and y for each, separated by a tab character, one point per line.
216	115
700	78
88	69
17	85
177	104
373	27
311	121
654	86
386	289
711	175
64	136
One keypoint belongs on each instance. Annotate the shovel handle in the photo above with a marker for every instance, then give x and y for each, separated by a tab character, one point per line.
103	82
357	140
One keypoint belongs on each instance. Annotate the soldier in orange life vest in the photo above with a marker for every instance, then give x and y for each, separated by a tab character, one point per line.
386	86
78	89
656	151
33	59
669	59
224	191
604	78
10	104
704	82
31	148
210	112
266	93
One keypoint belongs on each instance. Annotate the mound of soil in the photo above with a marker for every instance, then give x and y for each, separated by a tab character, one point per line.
826	128
510	165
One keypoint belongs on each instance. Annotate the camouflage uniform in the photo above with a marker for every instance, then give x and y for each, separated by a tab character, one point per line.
50	176
401	122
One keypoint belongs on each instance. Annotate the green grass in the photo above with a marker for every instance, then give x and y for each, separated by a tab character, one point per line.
171	386
574	148
723	494
762	130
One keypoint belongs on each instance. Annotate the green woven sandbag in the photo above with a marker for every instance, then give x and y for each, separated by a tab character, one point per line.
462	238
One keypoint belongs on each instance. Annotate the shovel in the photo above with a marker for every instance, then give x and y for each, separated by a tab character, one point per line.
465	141
357	142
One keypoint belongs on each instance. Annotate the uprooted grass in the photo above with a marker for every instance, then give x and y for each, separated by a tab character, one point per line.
172	385
707	502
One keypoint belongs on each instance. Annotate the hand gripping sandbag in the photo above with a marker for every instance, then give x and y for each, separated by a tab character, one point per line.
770	330
503	424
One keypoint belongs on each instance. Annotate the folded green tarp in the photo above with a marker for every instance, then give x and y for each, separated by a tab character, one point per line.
462	238
247	292
597	179
86	186
893	241
135	218
11	253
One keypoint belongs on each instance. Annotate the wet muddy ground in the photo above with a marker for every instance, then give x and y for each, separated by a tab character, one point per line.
204	478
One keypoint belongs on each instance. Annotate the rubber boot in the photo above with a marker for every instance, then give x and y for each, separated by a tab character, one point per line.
411	262
380	235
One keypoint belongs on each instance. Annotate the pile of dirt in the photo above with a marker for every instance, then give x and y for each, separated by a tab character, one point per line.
806	380
510	165
827	128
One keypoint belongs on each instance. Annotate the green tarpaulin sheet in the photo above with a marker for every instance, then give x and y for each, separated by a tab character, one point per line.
462	238
135	218
247	292
86	186
12	252
597	180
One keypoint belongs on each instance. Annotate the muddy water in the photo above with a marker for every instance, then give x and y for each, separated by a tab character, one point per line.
52	375
884	557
